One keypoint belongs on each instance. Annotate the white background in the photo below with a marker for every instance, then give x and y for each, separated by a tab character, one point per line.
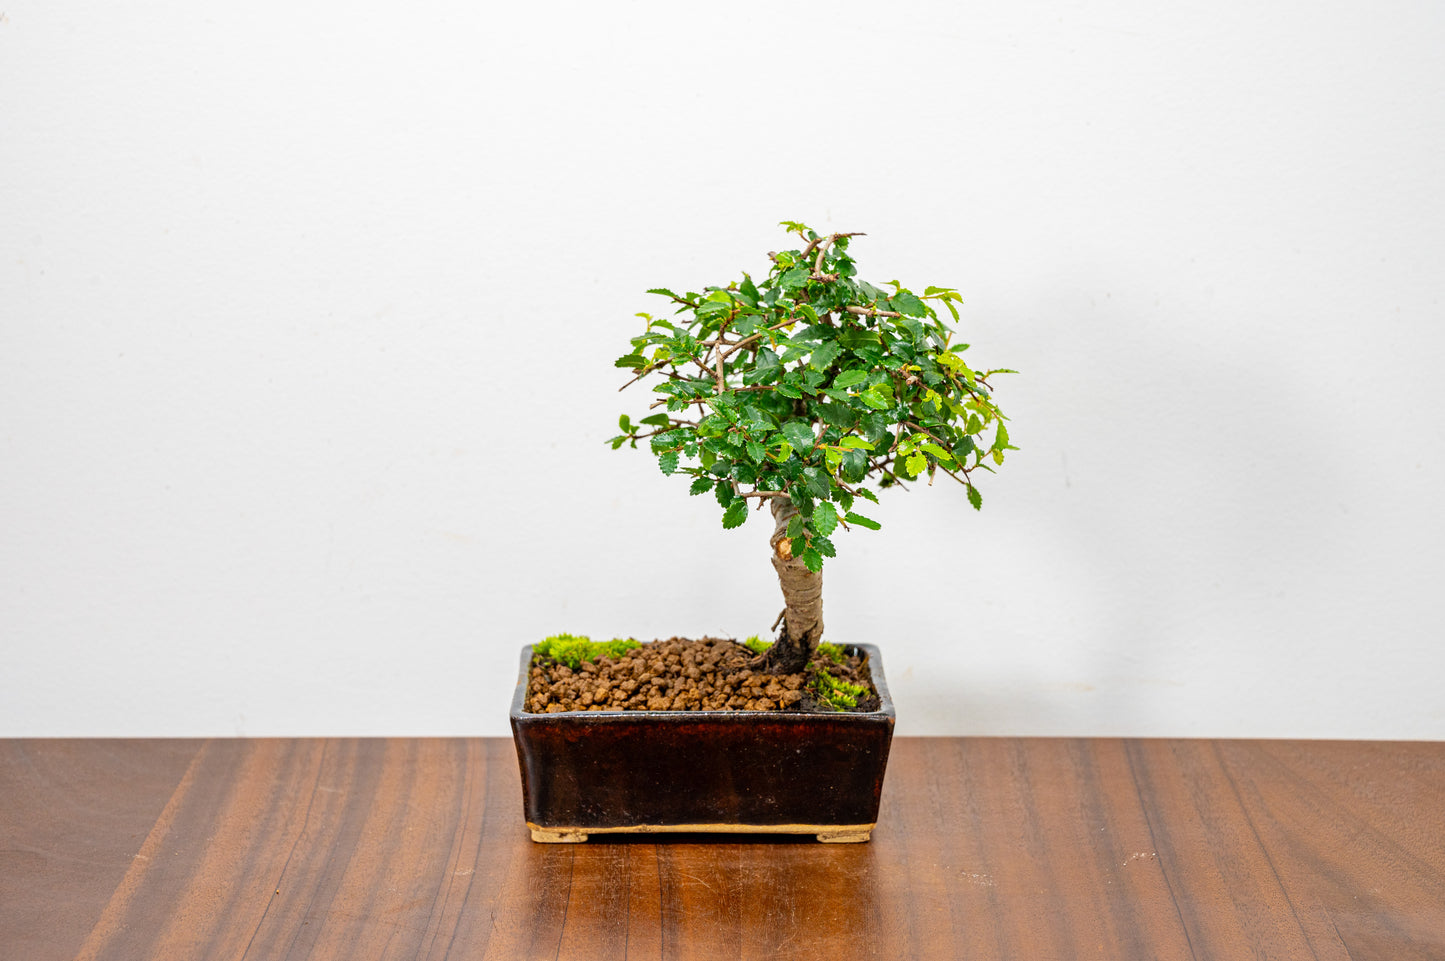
308	314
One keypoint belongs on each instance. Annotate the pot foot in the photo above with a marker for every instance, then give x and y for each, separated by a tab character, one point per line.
558	837
845	837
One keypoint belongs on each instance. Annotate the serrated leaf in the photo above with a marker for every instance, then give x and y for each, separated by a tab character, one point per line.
1000	442
817	482
934	449
813	560
825	546
799	435
789	391
724	494
663	291
630	361
975	498
866	494
850	378
700	485
876	398
824	355
825	519
667	461
854	442
854	466
656	420
795	526
916	463
736	514
793	277
906	303
755	450
862	521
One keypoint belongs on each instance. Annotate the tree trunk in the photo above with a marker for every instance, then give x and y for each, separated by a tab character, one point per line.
802	596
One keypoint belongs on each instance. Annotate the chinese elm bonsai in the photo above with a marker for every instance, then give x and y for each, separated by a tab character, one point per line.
800	391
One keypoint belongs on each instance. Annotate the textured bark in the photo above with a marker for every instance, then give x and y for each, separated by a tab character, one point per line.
802	596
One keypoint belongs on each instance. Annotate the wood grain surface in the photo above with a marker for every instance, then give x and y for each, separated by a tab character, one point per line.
1030	849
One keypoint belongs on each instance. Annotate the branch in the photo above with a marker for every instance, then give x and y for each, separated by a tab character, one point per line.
822	250
871	311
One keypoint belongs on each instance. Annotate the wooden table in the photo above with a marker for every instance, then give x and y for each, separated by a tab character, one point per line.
1030	849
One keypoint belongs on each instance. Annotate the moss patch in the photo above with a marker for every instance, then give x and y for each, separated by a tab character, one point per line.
839	694
572	651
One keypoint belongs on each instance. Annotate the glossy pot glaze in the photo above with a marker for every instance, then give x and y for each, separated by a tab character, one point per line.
774	772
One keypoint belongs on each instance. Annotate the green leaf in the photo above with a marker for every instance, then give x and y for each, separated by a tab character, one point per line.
667	461
748	288
700	485
1000	442
906	303
934	449
736	514
916	463
799	435
789	391
854	442
795	277
879	397
724	493
664	292
850	378
656	420
795	526
631	361
813	560
862	521
975	498
866	494
817	482
854	467
824	355
825	519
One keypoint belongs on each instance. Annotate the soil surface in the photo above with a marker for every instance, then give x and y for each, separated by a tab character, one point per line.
711	674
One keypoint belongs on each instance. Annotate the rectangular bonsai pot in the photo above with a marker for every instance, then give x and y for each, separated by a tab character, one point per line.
773	772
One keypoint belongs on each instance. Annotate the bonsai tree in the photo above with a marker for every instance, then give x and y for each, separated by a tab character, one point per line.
803	391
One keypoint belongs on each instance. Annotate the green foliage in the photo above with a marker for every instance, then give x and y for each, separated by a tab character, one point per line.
840	695
757	645
812	384
832	652
572	651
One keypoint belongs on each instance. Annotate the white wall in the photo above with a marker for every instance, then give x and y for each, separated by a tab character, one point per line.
307	316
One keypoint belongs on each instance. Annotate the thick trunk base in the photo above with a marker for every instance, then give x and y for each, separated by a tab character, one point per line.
802	626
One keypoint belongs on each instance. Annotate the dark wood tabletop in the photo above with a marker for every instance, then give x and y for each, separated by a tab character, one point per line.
1029	849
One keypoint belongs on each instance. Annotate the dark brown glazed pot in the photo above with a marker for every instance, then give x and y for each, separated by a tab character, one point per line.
774	772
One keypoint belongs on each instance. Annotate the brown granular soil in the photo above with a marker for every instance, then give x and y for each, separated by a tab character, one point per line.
711	674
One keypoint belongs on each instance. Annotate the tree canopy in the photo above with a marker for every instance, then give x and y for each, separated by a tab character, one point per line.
814	385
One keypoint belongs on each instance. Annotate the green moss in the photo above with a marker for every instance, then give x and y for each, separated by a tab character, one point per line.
832	652
840	695
572	651
757	645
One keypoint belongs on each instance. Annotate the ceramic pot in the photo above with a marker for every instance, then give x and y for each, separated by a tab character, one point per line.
741	772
